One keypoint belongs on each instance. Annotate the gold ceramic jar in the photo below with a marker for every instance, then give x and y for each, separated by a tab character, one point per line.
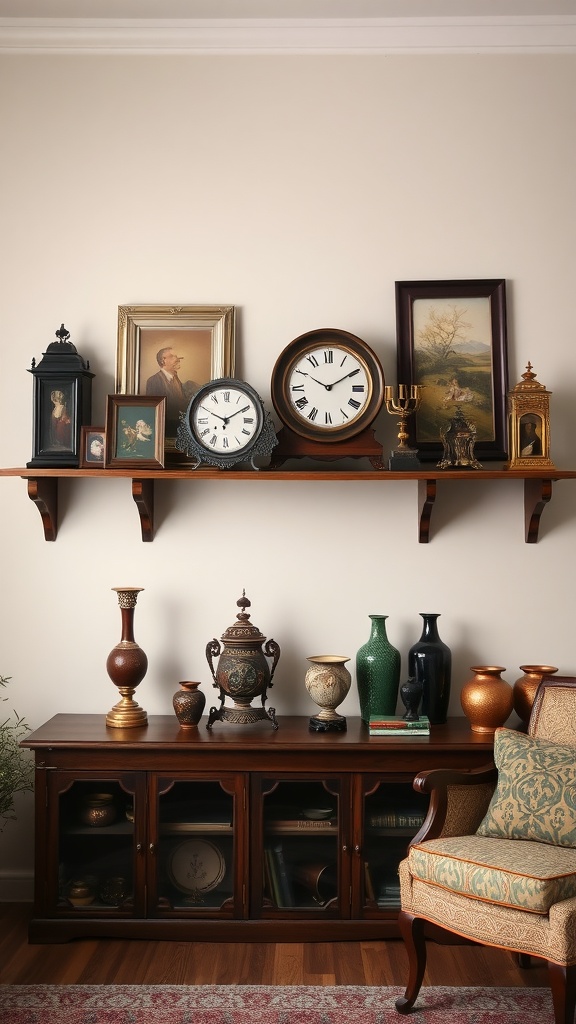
98	810
81	893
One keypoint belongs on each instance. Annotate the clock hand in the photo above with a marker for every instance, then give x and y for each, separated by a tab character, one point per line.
245	409
351	374
304	374
212	413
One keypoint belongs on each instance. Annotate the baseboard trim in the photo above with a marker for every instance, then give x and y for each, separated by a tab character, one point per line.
16	888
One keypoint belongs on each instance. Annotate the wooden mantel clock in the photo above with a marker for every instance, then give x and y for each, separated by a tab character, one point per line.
327	388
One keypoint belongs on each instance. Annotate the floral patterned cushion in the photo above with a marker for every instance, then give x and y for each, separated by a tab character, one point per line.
528	876
535	797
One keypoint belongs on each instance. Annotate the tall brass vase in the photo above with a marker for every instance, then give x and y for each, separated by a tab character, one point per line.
127	665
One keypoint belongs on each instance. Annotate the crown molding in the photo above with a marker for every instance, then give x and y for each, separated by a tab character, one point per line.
530	34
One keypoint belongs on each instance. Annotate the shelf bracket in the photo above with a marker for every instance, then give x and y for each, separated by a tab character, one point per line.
426	499
143	494
537	494
43	491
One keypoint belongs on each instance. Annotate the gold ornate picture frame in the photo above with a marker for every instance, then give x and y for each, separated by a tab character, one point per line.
529	424
199	341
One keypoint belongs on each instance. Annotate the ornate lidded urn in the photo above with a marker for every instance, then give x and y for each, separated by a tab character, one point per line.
242	672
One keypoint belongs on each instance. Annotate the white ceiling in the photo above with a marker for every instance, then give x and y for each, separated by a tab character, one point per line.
325	9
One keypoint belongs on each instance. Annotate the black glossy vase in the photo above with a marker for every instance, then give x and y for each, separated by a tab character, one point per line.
430	662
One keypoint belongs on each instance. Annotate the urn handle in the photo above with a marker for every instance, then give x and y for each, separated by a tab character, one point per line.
272	650
213	650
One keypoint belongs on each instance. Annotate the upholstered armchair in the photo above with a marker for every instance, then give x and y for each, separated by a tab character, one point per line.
495	860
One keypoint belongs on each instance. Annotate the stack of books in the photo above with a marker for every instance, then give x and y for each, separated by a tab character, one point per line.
394	725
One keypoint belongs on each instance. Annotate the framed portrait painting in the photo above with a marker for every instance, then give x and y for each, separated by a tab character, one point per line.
170	351
134	436
451	338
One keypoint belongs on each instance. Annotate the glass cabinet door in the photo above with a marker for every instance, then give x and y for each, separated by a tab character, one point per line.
193	846
391	814
95	824
300	842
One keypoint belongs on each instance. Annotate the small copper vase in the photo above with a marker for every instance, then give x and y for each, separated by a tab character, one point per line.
524	689
189	703
486	699
127	665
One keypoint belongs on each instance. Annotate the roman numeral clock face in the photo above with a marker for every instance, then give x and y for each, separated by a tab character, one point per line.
224	419
327	385
226	424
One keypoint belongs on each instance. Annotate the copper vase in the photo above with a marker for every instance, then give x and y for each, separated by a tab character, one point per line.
524	689
189	703
127	665
486	699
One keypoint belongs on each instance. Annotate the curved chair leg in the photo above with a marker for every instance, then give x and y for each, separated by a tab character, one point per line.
563	985
412	931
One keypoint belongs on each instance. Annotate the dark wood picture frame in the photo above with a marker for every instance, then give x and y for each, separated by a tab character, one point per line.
452	341
92	445
134	436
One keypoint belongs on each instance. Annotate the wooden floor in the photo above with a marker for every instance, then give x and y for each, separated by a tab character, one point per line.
125	962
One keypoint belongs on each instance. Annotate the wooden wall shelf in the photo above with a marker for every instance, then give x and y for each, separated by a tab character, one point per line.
43	488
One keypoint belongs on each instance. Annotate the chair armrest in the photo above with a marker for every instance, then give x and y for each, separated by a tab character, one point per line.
458	800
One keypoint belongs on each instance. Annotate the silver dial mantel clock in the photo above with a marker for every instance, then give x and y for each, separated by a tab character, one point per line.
225	424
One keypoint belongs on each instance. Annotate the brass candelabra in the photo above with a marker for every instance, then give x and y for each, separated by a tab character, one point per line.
404	405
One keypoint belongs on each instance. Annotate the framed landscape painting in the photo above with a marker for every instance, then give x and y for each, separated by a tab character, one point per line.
451	338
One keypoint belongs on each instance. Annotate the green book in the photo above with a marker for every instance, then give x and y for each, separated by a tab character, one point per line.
397	724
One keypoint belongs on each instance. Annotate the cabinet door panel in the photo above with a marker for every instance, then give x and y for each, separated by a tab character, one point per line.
197	846
298	824
390	814
99	822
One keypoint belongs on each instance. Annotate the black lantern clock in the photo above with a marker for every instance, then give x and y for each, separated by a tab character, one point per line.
62	403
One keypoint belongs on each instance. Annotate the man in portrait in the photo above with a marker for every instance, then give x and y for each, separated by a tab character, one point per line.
530	440
167	383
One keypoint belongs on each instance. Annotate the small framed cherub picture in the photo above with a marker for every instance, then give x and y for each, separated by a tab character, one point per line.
134	434
92	440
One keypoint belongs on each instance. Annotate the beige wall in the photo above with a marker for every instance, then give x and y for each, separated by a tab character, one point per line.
299	189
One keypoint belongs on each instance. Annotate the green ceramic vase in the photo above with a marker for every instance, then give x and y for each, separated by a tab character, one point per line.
377	672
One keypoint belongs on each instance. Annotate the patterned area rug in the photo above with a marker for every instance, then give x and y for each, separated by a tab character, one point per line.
260	1004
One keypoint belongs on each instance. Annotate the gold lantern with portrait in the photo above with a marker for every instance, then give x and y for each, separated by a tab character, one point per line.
529	424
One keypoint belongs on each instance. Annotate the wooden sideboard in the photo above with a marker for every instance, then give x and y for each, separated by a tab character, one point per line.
233	833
